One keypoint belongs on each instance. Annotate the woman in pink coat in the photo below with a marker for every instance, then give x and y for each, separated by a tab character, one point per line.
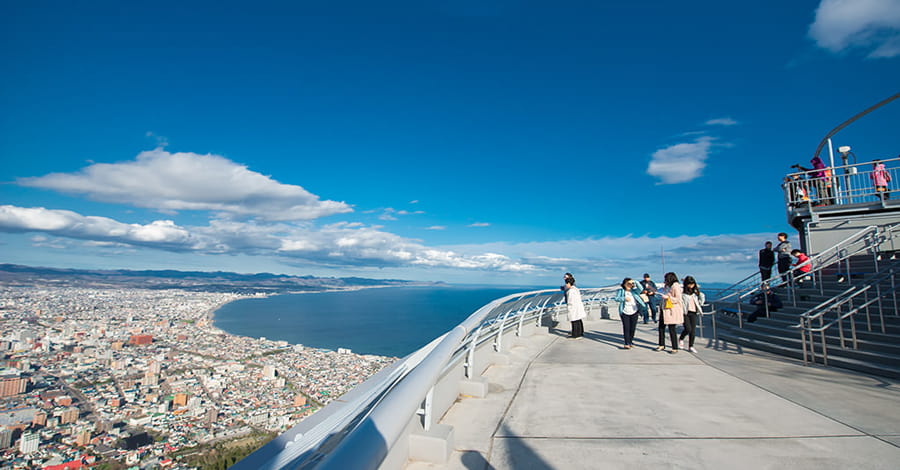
673	312
880	177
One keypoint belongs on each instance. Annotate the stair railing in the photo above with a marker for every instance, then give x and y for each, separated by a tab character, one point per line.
866	239
807	330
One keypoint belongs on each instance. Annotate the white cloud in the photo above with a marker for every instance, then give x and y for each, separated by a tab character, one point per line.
352	245
339	244
871	25
680	163
480	224
725	121
166	181
160	233
436	227
391	214
727	257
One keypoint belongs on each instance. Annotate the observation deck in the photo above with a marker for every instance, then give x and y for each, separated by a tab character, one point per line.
587	403
542	400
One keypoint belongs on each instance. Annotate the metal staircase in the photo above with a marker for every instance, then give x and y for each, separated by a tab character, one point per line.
845	316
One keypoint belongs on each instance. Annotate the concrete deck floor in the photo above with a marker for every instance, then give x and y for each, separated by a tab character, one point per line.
587	403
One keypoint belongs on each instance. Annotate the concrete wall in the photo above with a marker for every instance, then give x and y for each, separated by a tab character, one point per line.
435	445
831	229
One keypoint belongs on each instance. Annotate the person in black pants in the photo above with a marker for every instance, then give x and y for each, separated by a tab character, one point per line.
630	307
783	251
766	302
766	261
693	302
672	313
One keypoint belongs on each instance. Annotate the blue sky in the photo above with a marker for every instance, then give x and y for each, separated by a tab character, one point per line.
473	141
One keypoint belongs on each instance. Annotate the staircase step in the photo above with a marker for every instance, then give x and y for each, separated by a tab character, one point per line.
792	347
780	324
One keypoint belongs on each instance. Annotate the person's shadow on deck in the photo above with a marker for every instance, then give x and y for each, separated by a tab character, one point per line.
616	340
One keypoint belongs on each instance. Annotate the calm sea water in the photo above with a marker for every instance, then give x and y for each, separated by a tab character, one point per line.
393	321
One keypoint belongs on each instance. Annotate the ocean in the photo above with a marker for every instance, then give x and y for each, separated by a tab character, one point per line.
390	321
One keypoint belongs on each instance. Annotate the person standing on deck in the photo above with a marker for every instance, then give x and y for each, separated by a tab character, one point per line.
766	261
575	307
673	312
693	301
783	251
649	289
630	305
821	177
880	177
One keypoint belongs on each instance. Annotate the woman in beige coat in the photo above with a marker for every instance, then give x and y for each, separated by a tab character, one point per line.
575	308
673	312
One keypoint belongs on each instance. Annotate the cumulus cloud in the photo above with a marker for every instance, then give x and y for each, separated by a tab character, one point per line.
339	244
344	244
725	121
871	25
160	233
166	181
680	163
708	257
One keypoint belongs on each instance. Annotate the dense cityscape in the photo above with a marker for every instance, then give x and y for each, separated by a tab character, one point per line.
136	378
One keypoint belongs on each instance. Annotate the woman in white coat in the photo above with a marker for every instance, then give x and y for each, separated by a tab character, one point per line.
575	306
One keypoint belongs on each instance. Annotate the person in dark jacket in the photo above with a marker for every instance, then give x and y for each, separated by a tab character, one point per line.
650	290
764	297
766	261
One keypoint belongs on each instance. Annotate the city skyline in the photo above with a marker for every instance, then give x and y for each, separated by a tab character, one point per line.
473	143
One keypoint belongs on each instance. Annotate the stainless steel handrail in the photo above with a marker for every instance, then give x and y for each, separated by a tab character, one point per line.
806	329
818	313
853	185
842	251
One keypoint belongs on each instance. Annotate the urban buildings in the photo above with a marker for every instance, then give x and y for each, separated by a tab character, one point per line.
137	375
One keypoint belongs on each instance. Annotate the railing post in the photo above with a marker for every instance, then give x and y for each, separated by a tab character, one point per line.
824	342
498	340
812	341
470	354
840	328
425	409
803	340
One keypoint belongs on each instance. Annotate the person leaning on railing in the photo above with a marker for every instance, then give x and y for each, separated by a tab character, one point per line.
821	176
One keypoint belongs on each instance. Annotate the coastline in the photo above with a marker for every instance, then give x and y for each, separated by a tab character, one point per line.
210	315
375	322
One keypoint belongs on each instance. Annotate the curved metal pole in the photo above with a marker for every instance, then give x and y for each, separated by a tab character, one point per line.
854	118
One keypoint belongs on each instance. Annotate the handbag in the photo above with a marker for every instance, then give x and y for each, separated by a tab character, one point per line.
645	298
669	304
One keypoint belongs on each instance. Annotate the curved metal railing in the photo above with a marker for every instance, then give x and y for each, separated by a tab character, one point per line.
359	429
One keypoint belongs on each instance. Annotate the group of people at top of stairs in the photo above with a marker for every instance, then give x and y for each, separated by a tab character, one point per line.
674	304
781	256
821	178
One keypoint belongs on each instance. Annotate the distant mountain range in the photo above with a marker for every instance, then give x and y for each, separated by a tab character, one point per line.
218	281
